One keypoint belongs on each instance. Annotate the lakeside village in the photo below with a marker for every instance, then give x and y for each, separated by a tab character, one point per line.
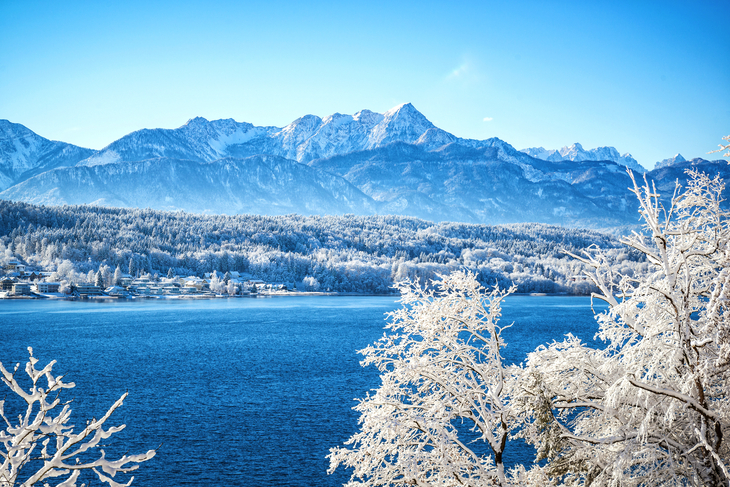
20	282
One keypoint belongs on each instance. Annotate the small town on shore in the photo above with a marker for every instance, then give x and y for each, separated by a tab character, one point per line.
21	282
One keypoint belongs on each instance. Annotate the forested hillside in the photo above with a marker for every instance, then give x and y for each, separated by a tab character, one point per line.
343	253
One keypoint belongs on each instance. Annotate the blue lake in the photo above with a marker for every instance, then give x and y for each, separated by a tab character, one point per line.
239	392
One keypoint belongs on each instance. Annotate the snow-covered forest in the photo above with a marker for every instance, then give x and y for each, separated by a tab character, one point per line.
342	254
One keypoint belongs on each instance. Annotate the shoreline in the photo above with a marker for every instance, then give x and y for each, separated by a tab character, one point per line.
224	296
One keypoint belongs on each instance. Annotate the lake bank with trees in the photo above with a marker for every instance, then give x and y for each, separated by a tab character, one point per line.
333	253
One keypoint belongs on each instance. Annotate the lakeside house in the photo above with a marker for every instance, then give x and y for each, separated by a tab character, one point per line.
86	289
118	291
21	288
14	266
7	283
48	287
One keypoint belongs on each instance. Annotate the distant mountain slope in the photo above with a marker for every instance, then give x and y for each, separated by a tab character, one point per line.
23	153
260	184
491	184
576	153
343	253
666	176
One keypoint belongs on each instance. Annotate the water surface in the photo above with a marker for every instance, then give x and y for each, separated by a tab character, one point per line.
239	392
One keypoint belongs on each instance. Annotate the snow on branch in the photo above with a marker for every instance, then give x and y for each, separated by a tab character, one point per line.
41	445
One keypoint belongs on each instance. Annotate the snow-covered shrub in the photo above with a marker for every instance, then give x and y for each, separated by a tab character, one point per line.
310	283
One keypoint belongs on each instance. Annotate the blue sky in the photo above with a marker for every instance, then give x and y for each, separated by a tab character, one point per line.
649	78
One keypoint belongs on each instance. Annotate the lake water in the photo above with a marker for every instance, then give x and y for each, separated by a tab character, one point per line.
239	392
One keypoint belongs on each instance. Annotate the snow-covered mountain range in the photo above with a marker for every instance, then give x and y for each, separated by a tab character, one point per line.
396	162
577	153
305	139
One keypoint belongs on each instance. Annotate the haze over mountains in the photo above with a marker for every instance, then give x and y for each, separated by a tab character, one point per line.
368	163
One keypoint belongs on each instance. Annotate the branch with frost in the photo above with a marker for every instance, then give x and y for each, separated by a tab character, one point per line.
723	147
690	401
41	445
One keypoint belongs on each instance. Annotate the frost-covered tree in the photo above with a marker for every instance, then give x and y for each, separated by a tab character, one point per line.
170	273
651	407
117	276
64	287
310	283
106	275
64	270
216	284
38	444
441	376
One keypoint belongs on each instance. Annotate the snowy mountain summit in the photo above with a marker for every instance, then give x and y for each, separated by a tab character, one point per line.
677	159
577	153
305	139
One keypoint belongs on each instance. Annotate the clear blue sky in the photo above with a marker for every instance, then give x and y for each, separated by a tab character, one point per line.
649	78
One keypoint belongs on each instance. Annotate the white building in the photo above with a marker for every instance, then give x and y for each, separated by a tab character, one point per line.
48	287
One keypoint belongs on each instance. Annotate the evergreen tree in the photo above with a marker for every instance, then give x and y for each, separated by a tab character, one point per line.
170	274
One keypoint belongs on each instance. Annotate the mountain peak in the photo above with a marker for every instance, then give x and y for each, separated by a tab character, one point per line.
406	106
404	109
367	117
196	122
407	114
402	123
677	159
577	146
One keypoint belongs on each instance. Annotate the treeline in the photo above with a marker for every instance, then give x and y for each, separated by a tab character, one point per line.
339	253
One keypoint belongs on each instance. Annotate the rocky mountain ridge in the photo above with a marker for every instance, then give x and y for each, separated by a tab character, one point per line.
576	153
